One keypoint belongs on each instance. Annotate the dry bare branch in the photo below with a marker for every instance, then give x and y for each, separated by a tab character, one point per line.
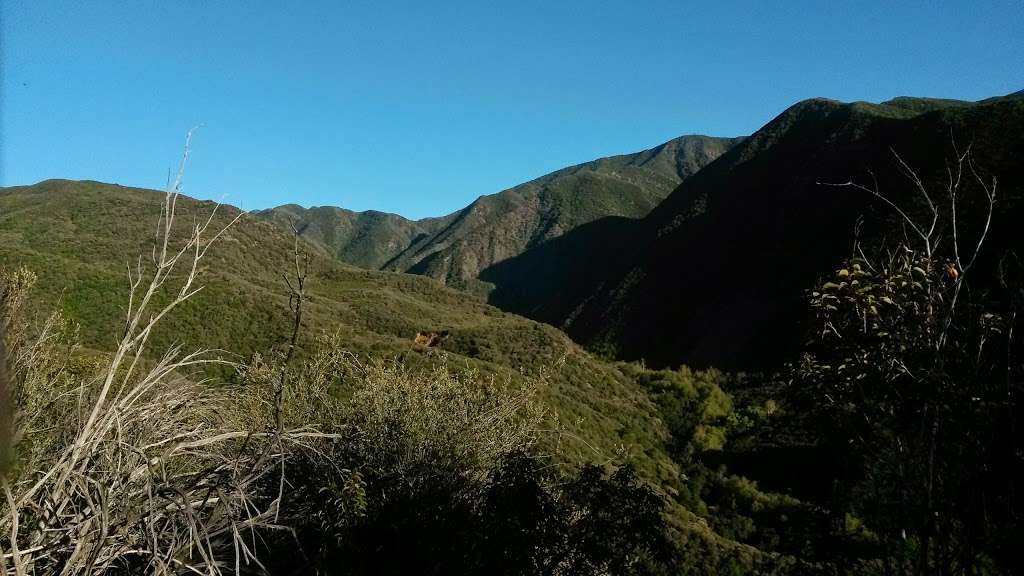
149	478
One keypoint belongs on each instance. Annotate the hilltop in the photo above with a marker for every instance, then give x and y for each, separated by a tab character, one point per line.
368	239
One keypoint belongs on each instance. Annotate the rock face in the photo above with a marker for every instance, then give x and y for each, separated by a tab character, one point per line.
454	249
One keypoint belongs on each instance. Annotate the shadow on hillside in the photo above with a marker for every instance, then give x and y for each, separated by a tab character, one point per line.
717	274
549	280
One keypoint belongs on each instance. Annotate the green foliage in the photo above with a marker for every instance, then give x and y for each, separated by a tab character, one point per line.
373	463
693	405
911	374
907	374
126	464
519	521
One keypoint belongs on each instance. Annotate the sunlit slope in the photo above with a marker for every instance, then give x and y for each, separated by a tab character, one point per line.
80	237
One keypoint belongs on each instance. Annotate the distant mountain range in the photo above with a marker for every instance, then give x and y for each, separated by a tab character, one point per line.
455	248
697	251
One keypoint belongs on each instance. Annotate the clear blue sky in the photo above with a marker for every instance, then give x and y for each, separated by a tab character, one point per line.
420	107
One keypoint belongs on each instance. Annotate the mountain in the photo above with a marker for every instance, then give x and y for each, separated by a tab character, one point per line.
715	275
455	248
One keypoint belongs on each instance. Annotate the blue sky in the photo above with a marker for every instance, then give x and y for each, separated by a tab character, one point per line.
420	107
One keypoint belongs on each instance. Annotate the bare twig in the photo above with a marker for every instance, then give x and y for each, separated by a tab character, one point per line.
150	472
926	232
296	296
874	191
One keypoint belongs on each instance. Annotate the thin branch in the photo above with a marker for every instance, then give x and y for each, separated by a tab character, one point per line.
874	192
913	177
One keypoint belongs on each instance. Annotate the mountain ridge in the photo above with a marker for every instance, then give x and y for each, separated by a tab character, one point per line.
715	274
455	247
625	185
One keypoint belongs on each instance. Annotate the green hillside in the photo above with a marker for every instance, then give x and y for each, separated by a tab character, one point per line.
78	238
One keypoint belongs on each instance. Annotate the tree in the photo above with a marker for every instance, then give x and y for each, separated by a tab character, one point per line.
911	369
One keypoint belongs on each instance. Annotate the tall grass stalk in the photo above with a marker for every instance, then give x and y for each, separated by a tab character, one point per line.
136	469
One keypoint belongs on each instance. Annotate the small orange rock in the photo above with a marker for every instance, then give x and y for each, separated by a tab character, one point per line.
430	339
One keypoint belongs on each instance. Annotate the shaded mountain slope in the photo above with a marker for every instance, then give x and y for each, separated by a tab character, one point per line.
715	274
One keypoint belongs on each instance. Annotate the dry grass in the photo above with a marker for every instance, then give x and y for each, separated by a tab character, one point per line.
126	468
